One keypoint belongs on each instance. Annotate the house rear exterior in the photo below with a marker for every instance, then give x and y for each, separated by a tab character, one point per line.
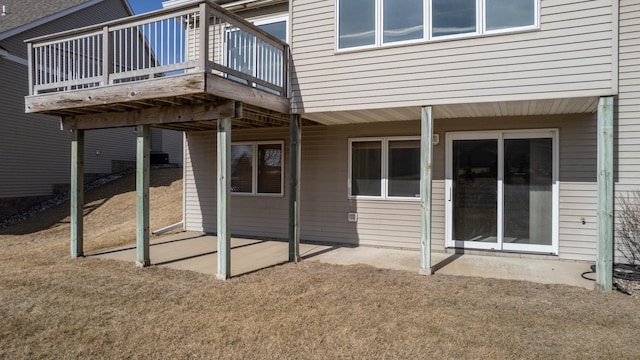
514	89
494	127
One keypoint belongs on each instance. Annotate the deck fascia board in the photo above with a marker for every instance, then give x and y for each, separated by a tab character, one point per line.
117	93
90	104
219	86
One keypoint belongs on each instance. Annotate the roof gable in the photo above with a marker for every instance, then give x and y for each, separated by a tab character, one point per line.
22	15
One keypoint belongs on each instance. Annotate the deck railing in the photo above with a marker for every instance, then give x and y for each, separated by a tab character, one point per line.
200	36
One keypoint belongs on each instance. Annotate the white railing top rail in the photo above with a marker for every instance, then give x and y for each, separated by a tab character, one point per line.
158	44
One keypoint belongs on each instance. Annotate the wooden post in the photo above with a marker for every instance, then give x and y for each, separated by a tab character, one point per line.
77	193
426	162
203	35
294	188
223	191
604	254
142	196
31	67
107	56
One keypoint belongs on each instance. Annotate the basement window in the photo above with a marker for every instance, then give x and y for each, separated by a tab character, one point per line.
257	168
384	168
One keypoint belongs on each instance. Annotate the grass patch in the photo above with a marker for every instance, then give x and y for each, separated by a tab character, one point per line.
55	307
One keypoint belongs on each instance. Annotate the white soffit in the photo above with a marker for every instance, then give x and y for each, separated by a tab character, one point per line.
475	110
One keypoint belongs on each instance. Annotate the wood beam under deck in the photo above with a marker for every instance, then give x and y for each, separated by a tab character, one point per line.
191	117
153	116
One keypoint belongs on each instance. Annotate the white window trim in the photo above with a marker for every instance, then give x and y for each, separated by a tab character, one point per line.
481	30
500	135
384	158
535	26
274	19
254	168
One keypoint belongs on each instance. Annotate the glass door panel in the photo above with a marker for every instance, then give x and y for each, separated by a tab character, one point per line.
475	192
528	192
502	190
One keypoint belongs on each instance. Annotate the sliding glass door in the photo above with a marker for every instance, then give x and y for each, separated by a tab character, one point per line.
501	190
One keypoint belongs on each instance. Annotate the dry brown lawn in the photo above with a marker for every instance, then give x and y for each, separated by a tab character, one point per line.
54	307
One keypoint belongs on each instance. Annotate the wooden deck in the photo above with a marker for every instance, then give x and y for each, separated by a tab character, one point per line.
181	68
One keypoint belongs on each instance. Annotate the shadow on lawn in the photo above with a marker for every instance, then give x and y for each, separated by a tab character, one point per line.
94	199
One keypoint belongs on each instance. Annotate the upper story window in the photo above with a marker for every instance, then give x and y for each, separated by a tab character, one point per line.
371	23
276	26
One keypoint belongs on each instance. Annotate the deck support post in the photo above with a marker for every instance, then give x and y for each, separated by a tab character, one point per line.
223	190
604	254
77	193
142	195
426	176
294	188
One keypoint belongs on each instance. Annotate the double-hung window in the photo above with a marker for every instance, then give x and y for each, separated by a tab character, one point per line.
384	168
257	168
371	23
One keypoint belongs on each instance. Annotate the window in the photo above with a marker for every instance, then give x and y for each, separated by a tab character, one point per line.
384	168
501	190
357	23
275	26
257	168
504	14
371	23
452	17
241	46
403	20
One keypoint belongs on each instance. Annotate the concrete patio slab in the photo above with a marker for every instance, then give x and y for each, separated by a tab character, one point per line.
197	252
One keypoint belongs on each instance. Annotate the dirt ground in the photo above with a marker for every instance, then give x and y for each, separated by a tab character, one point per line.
52	306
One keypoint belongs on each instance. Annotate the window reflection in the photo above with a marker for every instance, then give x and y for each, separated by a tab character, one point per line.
366	169
241	168
403	20
269	168
502	14
404	168
357	23
451	17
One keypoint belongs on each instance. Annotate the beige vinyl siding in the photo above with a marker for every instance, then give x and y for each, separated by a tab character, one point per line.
105	145
168	142
569	56
627	139
325	205
172	145
35	152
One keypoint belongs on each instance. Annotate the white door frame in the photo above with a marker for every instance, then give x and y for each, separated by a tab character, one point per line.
500	135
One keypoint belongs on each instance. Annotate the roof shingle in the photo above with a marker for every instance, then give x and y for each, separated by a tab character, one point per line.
21	12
